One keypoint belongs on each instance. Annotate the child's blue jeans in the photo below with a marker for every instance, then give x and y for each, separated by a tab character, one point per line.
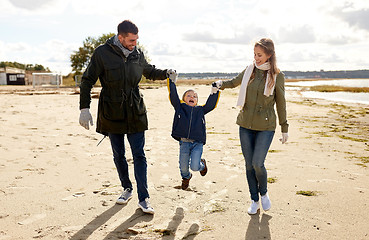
190	157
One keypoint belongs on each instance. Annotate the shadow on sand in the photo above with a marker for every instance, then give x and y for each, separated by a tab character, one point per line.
87	230
258	228
120	231
100	220
170	232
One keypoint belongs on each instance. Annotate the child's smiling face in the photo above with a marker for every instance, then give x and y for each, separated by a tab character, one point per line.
190	98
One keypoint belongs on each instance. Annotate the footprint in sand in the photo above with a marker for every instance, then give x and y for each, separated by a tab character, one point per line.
32	219
231	177
75	195
208	184
165	177
163	164
213	205
190	198
323	180
218	194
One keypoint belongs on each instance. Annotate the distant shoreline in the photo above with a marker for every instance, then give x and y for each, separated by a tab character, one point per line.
71	84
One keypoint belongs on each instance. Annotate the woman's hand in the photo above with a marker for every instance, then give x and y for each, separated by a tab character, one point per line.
284	138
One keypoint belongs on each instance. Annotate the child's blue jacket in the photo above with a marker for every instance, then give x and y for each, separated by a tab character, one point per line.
189	122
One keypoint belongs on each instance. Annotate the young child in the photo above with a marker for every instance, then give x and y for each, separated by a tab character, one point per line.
189	128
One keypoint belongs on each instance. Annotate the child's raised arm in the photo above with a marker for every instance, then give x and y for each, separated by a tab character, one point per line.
173	94
213	98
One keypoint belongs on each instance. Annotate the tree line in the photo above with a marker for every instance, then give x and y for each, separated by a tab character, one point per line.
27	67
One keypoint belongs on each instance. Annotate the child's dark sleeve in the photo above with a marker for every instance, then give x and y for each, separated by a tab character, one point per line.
173	95
212	102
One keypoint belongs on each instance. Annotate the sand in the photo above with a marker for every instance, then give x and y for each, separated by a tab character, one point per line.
56	183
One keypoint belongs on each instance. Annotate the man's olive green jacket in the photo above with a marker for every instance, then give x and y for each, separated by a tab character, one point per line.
121	106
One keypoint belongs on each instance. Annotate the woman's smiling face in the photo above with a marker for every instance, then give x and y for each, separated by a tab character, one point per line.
260	56
190	98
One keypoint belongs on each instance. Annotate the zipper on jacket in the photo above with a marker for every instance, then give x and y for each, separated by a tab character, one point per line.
189	127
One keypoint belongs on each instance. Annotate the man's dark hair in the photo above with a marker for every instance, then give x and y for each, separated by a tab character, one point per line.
126	27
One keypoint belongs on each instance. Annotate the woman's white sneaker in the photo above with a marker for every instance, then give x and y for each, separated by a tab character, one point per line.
265	202
254	207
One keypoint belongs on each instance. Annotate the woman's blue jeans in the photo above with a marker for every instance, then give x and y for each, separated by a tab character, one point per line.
255	146
190	157
137	142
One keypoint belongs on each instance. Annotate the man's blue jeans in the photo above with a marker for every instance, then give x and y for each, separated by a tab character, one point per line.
137	142
255	146
190	157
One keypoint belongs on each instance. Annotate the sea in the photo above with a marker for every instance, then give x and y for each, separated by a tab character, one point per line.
350	97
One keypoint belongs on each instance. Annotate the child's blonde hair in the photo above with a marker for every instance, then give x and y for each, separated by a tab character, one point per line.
184	94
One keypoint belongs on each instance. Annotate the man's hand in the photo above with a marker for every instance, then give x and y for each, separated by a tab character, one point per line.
85	118
284	138
172	75
214	88
218	84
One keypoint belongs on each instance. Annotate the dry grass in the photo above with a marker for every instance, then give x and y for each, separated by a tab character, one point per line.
307	193
68	81
329	88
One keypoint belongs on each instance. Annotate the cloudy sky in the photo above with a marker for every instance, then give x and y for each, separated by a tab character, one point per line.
193	35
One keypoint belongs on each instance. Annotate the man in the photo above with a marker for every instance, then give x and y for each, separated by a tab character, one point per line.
119	65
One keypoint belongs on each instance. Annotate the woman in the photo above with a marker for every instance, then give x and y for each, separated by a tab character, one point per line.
262	86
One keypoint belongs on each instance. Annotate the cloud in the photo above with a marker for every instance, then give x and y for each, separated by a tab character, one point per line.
208	35
243	37
164	49
358	18
53	54
339	39
297	34
17	47
31	5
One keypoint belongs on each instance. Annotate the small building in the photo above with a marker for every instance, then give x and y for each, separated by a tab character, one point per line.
12	76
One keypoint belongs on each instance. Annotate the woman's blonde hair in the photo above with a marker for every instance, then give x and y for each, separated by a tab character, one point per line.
268	46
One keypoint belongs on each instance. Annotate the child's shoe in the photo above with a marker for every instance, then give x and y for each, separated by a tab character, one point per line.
185	183
205	170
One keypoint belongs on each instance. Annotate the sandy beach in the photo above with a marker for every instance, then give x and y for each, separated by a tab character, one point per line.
56	183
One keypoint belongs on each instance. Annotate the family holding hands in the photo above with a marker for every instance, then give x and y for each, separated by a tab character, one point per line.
119	65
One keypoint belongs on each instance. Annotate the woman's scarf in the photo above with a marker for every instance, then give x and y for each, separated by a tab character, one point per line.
246	78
